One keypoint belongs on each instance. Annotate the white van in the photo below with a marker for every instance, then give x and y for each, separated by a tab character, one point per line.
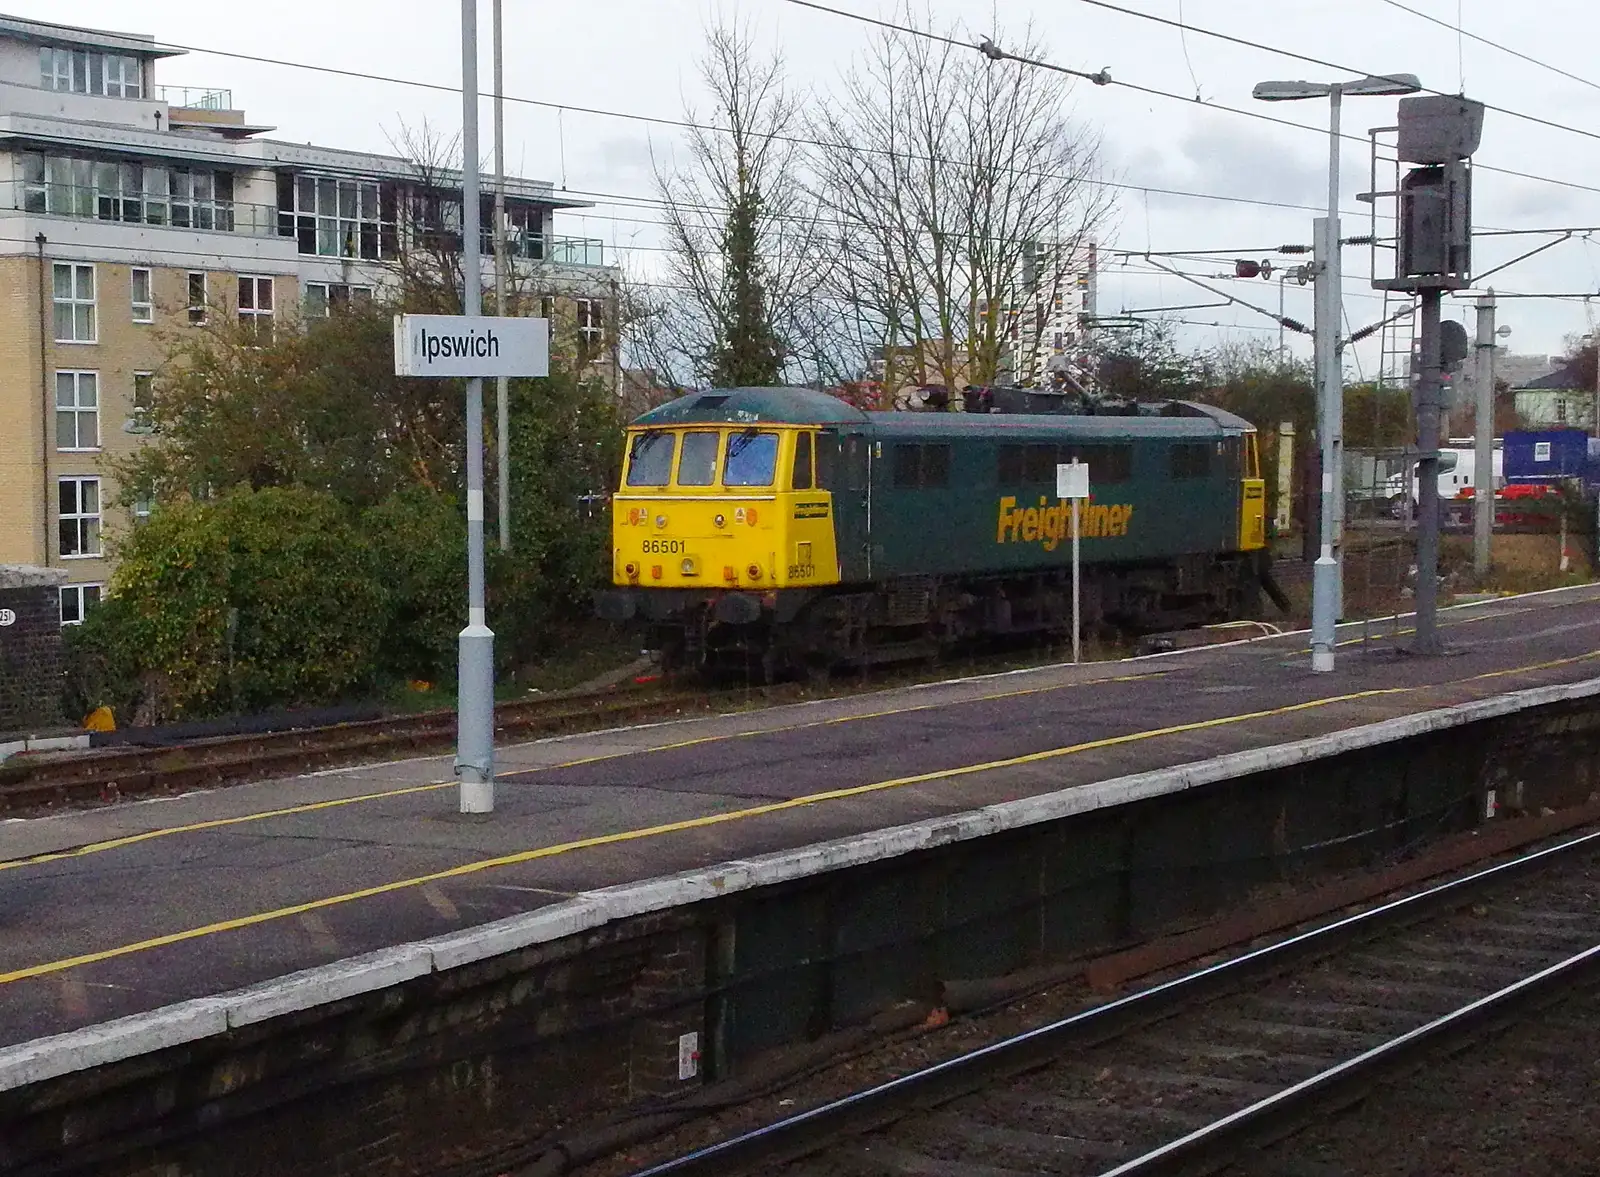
1457	466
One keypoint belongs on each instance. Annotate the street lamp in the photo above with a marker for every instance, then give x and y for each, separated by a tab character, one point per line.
1326	604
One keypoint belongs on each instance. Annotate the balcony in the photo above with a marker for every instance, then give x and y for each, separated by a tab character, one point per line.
561	251
195	97
94	204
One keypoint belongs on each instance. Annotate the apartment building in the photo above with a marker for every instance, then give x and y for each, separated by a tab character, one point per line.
126	206
1047	328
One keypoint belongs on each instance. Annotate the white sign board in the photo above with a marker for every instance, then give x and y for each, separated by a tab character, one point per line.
459	345
7	617
1072	480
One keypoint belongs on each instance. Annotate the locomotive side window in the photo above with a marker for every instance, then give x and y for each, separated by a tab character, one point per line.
921	466
752	459
1010	471
802	462
650	458
1191	460
1107	463
697	461
1039	464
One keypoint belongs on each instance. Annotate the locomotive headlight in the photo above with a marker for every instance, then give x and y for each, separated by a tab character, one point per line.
720	520
687	567
661	521
755	571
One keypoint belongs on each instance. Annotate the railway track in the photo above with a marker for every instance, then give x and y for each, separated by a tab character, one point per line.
1196	1073
120	773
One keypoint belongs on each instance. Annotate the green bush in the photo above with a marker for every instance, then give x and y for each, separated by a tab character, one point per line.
253	600
419	542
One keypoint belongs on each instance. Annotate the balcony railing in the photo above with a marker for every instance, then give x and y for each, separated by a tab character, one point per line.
94	204
561	251
252	220
195	97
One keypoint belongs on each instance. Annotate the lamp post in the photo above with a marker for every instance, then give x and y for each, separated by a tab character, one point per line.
1326	587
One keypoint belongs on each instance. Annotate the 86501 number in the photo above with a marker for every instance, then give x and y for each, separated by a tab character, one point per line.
666	547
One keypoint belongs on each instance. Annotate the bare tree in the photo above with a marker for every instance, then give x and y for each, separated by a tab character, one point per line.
962	202
738	303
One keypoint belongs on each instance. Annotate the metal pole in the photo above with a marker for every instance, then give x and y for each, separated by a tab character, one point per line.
1281	277
1075	583
502	393
1325	573
475	706
1483	441
1427	639
1335	370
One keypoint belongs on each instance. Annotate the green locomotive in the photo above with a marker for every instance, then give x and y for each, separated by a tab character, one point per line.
784	525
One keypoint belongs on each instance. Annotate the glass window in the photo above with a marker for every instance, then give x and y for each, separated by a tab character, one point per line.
802	462
76	601
79	515
143	398
74	302
1191	460
197	298
650	458
752	459
697	463
143	303
255	308
77	411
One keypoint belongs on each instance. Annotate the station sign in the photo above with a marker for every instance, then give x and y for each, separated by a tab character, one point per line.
470	345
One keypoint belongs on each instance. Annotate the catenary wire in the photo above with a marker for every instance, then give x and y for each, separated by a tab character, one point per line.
1555	69
1220	106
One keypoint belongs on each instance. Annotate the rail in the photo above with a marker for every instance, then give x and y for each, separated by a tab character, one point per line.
841	1124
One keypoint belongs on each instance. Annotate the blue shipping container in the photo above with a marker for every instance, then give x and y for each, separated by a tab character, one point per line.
1550	455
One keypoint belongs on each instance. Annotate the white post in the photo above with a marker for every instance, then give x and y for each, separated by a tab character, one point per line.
1325	574
1483	441
1072	483
475	685
1076	587
1334	373
502	393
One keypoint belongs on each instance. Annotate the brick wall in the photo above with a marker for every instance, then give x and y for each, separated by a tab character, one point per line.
30	649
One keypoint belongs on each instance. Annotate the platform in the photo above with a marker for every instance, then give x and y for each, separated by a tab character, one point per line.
113	911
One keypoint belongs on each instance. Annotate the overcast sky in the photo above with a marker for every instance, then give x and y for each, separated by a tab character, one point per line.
637	57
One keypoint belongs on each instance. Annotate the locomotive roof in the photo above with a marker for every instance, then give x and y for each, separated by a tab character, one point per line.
805	406
781	406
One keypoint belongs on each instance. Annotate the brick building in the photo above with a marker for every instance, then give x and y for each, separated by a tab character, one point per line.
126	207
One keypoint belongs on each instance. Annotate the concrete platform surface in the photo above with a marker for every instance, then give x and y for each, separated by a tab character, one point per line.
115	911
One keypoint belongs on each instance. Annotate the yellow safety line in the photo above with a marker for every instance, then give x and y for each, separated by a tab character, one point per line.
693	823
433	786
714	819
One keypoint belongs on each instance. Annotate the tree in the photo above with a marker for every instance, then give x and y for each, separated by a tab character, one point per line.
318	405
960	200
738	305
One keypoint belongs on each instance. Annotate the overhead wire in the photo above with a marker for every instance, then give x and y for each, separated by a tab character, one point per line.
1105	79
1456	28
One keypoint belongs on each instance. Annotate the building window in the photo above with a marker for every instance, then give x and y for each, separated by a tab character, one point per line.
79	512
1561	416
338	218
197	298
152	194
115	75
144	308
547	306
143	506
77	411
591	321
323	298
255	308
143	391
74	301
76	601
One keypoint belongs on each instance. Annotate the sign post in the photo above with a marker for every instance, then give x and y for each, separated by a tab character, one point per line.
473	346
1072	483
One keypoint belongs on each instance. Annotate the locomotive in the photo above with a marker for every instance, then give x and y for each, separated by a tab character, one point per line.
786	529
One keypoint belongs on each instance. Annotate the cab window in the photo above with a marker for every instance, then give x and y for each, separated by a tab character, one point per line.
752	459
650	458
697	461
802	462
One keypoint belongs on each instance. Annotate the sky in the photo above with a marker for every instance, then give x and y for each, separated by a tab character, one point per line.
637	57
